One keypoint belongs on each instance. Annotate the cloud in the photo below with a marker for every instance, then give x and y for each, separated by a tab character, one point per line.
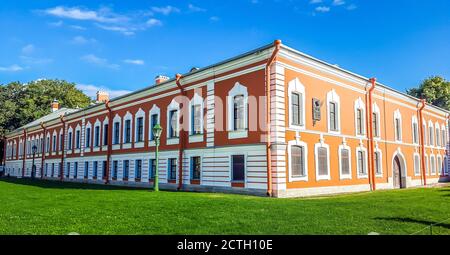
11	68
104	15
36	61
91	90
351	7
153	22
338	2
28	49
82	40
315	1
254	1
214	18
134	61
121	29
194	8
56	24
323	9
165	10
76	27
92	59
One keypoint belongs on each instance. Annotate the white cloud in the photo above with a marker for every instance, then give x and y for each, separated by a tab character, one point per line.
134	61
351	7
103	15
154	22
121	29
323	9
11	68
315	1
338	2
56	24
77	27
28	49
91	90
36	61
194	8
214	18
165	10
92	59
82	40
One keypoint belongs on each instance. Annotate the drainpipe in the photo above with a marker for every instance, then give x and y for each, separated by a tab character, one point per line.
182	134
370	125
422	144
277	44
24	151
61	170
108	156
43	149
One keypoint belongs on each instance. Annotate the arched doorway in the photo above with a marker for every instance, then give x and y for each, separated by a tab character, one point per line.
398	174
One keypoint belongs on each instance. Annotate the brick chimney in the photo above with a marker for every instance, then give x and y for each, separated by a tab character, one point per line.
161	78
55	105
102	96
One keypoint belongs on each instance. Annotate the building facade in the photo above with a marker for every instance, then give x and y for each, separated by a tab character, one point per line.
271	121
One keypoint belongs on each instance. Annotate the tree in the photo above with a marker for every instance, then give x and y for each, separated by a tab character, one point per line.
21	103
435	90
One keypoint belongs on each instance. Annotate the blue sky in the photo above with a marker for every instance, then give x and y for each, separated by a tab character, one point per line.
122	45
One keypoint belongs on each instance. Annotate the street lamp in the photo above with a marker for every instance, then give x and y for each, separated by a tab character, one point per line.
157	129
33	167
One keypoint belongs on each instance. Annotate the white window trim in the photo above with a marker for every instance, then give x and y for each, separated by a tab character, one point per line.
77	150
439	168
316	154
238	89
432	159
295	86
139	113
431	138
196	100
364	150
415	121
436	135
117	119
102	133
425	132
69	147
376	110
380	158
54	143
359	105
305	146
332	96
155	110
349	175
444	138
174	105
88	149
414	164
398	115
128	116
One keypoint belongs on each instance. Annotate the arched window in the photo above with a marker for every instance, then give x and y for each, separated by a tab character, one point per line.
416	164
431	133
298	161
433	164
333	106
376	121
322	156
296	94
398	126
345	162
378	162
415	130
237	112
361	162
360	124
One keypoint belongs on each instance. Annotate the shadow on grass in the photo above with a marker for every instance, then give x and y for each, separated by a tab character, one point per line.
411	220
54	184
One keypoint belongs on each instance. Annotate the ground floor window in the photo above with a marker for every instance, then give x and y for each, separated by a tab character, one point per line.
126	169
172	169
138	169
152	166
377	163
195	168
345	162
322	157
298	161
417	164
68	170
95	169
238	168
361	162
75	170
86	169
104	169
115	169
433	164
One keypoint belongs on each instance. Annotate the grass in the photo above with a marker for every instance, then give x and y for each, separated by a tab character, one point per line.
44	207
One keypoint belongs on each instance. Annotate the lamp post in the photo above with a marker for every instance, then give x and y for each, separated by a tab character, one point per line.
33	167
157	129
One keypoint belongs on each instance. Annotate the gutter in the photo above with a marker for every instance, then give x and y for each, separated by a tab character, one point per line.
422	143
277	45
182	133
43	149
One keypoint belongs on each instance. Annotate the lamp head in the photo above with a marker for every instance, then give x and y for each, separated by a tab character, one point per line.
157	129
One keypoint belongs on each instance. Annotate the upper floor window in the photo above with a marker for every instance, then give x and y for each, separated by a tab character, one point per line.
376	120
237	114
333	116
431	133
196	126
296	93
153	122
97	136
88	137
140	129
173	125
333	101
438	133
70	146
116	132
127	136
415	131
398	126
77	139
61	138
359	117
54	142
105	133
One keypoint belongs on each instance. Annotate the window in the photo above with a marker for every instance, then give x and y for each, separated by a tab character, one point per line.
75	174
152	168
47	145
88	137
126	169
86	169
46	169
361	162
140	129
68	170
433	164
154	121
238	168
116	132
195	168
416	164
77	139
238	113
427	169
424	128
345	162
97	136
377	163
138	169
298	168
173	125
431	135
438	141
415	133
196	116
322	156
61	138
333	116
95	169
376	132
115	169
127	131
105	134
172	170
104	169
54	143
53	169
440	168
398	134
296	108
359	122
443	138
70	146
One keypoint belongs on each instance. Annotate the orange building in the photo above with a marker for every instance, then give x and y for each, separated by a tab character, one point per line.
331	131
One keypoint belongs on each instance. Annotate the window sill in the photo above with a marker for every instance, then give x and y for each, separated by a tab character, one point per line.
96	149
237	134
346	177
297	127
365	176
171	141
116	147
139	144
298	179
126	146
152	143
196	138
323	178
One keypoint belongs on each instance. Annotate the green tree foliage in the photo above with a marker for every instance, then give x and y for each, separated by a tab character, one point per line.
21	103
436	90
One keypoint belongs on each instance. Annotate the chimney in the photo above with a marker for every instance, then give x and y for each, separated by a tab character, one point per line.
160	79
55	105
102	97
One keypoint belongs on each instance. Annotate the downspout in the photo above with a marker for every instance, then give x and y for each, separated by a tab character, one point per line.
422	143
277	44
182	134
61	170
108	155
24	151
43	149
371	143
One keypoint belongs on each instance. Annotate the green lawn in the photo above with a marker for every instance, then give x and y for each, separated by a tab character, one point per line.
39	207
